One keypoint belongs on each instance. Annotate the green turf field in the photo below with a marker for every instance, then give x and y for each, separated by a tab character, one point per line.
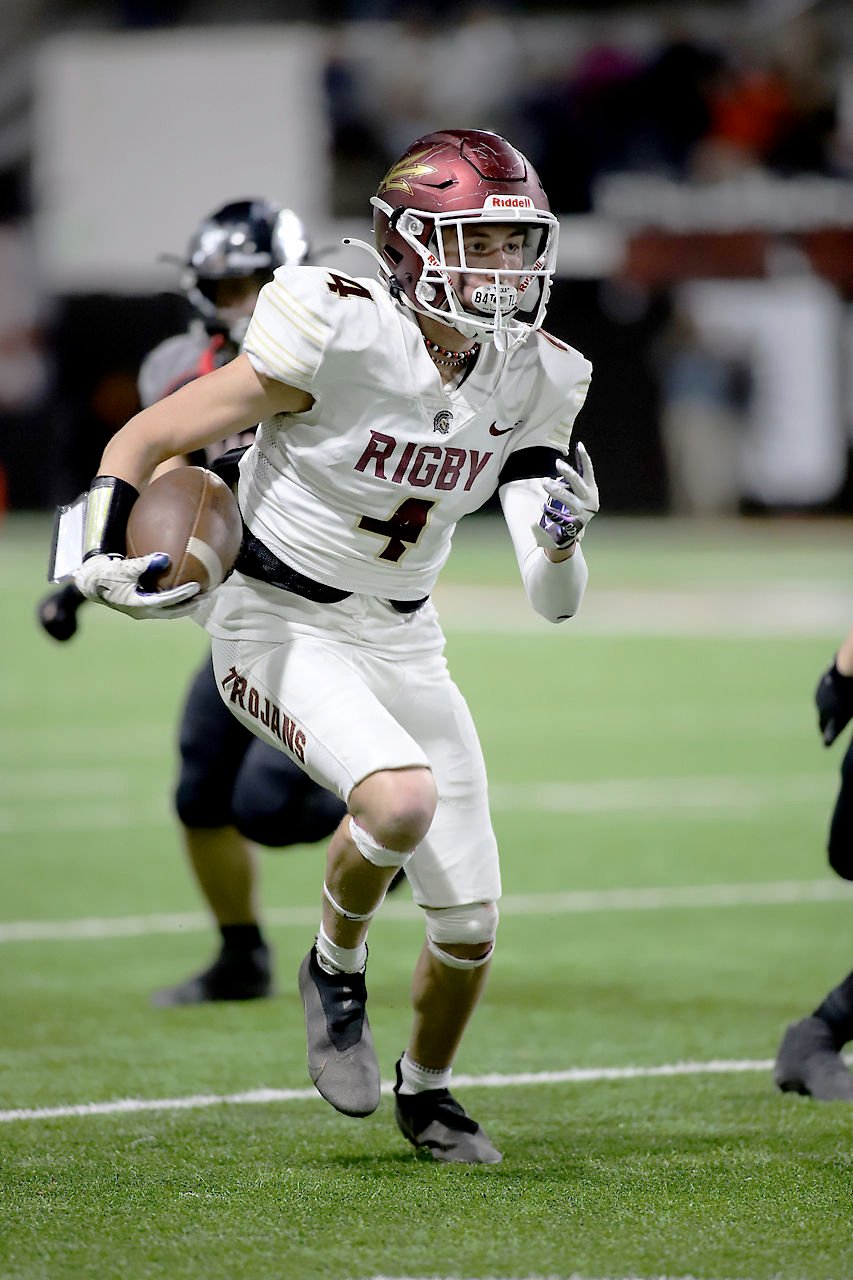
661	798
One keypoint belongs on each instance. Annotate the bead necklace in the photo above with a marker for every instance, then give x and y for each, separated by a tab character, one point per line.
453	359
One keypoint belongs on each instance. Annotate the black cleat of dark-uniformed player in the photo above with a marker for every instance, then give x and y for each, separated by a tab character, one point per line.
244	977
341	1058
435	1122
809	1063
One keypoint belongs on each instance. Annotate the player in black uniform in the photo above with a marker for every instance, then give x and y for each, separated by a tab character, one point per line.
809	1059
233	791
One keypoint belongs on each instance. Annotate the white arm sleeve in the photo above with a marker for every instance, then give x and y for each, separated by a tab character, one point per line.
555	590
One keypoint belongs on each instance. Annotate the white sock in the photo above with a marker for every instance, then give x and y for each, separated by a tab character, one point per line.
417	1079
334	959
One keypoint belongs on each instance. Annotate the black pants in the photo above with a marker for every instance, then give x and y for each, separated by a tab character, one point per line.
228	777
840	845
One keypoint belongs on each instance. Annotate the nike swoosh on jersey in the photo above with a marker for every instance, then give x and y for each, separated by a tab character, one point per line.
495	430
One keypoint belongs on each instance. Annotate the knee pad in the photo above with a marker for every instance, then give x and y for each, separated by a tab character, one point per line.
275	804
212	746
471	923
197	802
372	851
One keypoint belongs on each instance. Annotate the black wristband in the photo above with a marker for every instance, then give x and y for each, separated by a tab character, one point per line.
108	508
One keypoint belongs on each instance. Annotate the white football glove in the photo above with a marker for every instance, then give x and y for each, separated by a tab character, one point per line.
114	581
573	501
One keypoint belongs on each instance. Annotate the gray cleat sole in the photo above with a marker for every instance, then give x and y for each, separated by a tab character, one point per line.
435	1122
450	1147
345	1074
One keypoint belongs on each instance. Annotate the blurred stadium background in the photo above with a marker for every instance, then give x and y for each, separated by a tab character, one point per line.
701	158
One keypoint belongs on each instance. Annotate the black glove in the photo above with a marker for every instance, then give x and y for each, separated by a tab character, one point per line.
57	612
834	701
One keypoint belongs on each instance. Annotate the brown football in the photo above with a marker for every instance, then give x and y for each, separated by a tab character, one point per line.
193	516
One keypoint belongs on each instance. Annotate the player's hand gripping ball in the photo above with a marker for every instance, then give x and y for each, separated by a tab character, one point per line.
192	516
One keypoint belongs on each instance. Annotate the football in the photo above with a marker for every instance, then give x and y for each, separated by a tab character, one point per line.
193	516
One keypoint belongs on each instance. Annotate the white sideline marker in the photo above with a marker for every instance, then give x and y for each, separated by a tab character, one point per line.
715	798
579	902
493	1080
573	1276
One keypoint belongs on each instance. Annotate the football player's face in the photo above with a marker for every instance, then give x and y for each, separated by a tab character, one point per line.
491	246
236	296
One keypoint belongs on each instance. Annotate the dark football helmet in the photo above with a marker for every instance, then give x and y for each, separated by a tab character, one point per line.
443	183
242	240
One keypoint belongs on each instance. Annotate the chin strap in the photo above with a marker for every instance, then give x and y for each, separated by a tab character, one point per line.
362	244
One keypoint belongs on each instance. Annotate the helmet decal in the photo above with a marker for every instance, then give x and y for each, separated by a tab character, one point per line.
396	179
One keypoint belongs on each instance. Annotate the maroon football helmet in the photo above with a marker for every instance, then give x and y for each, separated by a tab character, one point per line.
443	183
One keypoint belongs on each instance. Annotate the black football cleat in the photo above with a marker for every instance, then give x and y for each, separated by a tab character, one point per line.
57	613
435	1122
230	977
341	1058
809	1063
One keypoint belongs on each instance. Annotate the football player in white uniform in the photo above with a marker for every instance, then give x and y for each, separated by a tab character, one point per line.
388	409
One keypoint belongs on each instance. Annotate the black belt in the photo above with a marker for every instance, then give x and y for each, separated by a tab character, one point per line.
255	560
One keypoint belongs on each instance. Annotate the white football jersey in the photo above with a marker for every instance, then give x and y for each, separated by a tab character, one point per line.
363	491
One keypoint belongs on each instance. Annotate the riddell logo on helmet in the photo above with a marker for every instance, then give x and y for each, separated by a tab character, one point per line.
509	202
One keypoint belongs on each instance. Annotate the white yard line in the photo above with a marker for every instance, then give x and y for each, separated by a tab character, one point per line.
260	1097
65	816
581	902
747	611
720	798
721	795
34	784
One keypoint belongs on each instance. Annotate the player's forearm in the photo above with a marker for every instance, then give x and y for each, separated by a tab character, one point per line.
555	581
134	452
555	589
183	422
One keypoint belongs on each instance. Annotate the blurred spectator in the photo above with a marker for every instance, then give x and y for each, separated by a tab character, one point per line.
445	73
389	82
354	141
400	92
776	110
583	125
675	95
704	395
619	111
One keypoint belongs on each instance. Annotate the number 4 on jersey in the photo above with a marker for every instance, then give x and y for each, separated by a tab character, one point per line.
404	526
346	287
